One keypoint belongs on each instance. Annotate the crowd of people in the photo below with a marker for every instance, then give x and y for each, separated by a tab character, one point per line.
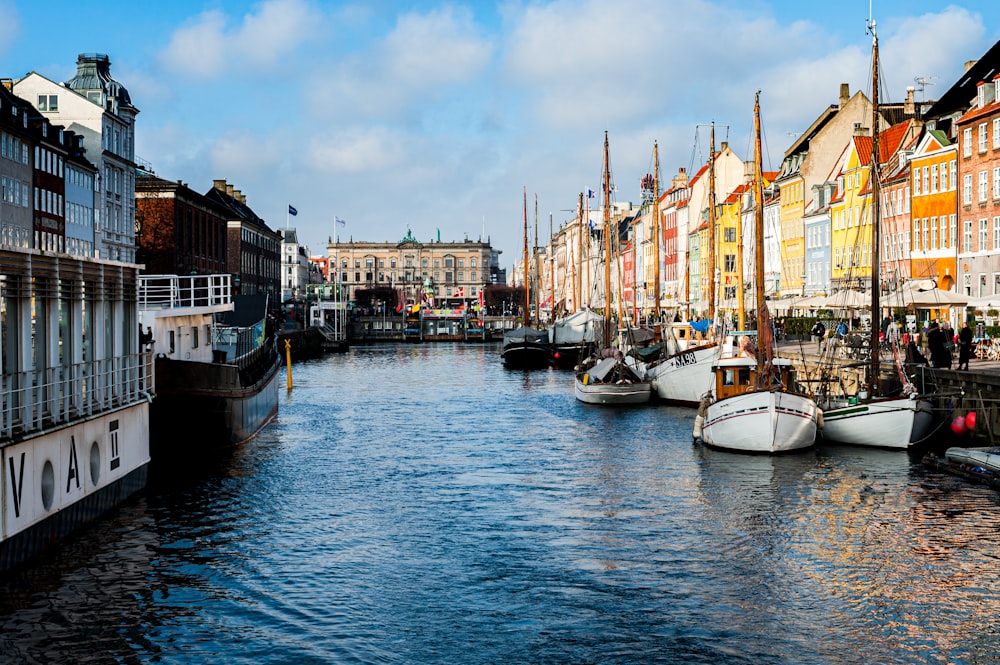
940	341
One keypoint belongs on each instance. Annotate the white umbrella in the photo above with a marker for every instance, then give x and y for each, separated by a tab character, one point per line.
848	299
923	294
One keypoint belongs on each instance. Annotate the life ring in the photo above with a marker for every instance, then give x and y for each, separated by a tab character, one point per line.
819	418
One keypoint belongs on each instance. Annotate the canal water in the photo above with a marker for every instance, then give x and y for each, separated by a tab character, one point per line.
421	504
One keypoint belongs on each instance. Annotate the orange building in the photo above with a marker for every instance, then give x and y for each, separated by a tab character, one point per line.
934	220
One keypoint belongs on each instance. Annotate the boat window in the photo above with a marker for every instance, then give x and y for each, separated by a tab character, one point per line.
728	377
745	376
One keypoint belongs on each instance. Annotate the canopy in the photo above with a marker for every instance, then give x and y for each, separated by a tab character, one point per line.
923	294
985	302
810	302
848	299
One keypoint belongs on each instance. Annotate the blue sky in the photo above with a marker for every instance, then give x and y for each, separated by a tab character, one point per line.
433	115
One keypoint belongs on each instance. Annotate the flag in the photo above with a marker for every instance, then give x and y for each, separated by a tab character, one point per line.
339	222
292	211
591	194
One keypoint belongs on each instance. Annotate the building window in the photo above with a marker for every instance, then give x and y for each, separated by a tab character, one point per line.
916	235
437	264
953	231
967	189
996	129
48	103
926	235
472	263
934	233
996	182
954	174
996	233
967	142
934	178
944	232
944	176
982	235
983	182
967	284
916	181
982	137
996	283
926	185
967	235
448	262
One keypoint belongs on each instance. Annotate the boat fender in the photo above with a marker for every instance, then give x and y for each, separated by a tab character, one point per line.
958	425
819	418
696	433
586	379
970	420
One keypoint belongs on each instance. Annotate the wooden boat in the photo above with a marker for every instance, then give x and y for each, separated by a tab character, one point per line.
526	347
216	380
757	405
871	417
684	370
607	378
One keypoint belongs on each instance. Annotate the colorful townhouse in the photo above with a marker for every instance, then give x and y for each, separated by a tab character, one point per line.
979	203
932	188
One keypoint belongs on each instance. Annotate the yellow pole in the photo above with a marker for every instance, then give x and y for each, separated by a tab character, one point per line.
288	361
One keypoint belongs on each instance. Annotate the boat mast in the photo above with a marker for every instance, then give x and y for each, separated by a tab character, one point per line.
552	268
656	233
538	271
874	178
758	195
527	288
711	230
607	244
577	263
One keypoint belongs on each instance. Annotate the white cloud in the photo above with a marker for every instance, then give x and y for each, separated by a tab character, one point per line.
10	24
357	150
210	47
423	56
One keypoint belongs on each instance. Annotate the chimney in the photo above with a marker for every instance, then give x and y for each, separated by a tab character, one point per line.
681	179
723	146
219	184
845	94
860	130
909	108
229	190
238	195
969	64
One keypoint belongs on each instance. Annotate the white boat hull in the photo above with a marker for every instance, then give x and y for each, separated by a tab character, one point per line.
761	422
613	393
684	377
895	422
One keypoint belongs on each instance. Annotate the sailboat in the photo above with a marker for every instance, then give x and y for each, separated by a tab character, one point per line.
526	347
872	418
606	378
757	406
683	372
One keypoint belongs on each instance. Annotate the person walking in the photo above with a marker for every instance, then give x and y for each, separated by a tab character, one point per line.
964	345
819	332
940	355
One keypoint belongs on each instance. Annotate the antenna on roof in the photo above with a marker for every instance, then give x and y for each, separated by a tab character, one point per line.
922	82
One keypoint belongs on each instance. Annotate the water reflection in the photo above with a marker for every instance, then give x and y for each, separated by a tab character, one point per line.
420	504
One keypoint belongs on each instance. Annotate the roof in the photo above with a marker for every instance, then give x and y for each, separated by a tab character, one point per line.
956	99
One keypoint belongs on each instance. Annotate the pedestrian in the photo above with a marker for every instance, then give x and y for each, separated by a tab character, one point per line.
818	332
940	355
964	345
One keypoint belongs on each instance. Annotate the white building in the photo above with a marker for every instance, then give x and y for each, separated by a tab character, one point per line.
98	108
294	266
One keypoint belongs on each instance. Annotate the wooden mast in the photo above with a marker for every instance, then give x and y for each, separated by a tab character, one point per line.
527	288
711	231
578	262
538	271
656	233
607	244
874	177
758	195
552	273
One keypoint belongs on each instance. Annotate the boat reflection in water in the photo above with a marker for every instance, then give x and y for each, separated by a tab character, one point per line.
842	532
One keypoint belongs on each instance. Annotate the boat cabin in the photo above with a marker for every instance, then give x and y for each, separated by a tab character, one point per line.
738	375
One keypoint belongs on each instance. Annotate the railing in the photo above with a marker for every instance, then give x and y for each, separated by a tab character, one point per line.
54	396
173	291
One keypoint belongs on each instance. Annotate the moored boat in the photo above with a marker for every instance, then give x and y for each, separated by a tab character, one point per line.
525	348
74	415
216	381
610	381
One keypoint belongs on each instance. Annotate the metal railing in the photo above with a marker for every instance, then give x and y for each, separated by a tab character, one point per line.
41	399
173	291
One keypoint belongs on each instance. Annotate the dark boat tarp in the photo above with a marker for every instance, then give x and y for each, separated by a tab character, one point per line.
525	335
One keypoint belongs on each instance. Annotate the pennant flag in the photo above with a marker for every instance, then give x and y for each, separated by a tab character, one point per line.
292	211
339	222
591	194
